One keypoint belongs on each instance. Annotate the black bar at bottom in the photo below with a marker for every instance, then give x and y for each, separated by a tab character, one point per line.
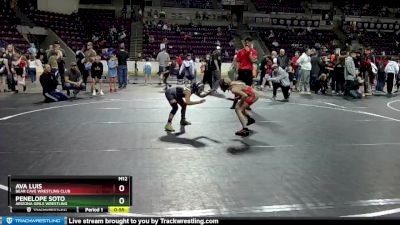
44	209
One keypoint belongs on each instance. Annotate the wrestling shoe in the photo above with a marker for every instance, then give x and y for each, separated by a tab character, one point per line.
184	122
250	121
169	127
244	132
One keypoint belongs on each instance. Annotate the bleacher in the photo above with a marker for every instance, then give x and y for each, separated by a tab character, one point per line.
202	4
8	31
196	43
286	6
290	40
67	27
100	20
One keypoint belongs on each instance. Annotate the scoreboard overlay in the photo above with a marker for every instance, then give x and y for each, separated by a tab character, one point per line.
86	194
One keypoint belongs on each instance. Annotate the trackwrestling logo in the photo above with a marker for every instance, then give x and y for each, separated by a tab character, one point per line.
9	220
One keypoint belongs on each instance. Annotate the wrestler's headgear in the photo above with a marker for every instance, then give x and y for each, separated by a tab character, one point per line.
224	84
197	88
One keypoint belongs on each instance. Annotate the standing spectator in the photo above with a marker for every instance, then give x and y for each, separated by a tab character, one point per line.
163	44
283	60
352	85
305	67
274	56
208	69
391	70
295	70
32	65
42	56
163	59
147	72
124	12
113	71
32	50
49	84
315	69
9	53
60	60
4	71
381	74
90	55
280	79
80	56
73	80
97	73
339	73
48	51
216	72
122	56
18	69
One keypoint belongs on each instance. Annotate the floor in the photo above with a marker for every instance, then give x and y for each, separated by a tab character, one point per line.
316	156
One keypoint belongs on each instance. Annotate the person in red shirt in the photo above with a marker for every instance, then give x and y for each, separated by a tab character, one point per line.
179	60
245	58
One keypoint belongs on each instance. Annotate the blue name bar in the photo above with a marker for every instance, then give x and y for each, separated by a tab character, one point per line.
32	220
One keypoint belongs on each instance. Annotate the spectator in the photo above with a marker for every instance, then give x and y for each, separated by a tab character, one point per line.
32	50
187	69
352	85
305	67
124	12
275	43
295	70
147	72
217	60
73	80
282	59
113	71
382	62
49	84
391	70
163	44
90	55
208	69
96	74
280	79
32	65
315	69
122	56
163	59
5	71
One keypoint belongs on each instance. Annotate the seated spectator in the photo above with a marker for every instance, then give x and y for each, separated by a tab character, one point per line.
49	84
165	27
275	43
73	80
151	39
198	16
